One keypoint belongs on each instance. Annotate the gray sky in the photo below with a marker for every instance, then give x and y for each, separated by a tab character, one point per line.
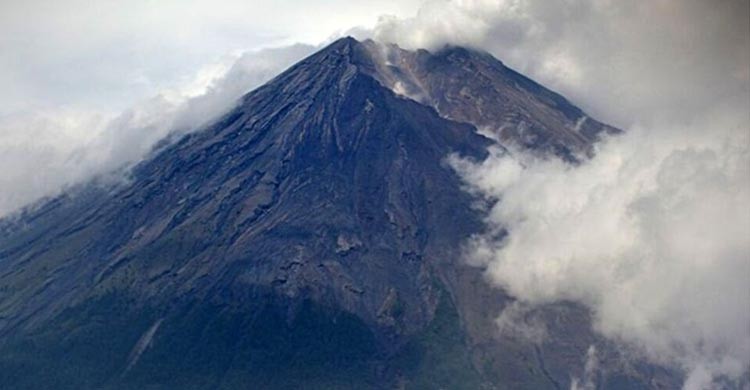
106	55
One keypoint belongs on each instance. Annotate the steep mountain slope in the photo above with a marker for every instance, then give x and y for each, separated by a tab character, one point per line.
309	238
474	87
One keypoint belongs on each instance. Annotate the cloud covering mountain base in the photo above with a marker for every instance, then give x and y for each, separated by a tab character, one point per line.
652	234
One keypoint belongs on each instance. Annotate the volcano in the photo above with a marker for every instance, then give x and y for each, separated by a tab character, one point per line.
310	238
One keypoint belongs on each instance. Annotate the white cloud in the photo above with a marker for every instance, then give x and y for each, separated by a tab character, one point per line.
652	234
590	368
625	62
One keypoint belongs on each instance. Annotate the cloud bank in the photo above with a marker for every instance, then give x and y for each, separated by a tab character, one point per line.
652	234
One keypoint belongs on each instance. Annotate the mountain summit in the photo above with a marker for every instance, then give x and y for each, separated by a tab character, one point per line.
309	238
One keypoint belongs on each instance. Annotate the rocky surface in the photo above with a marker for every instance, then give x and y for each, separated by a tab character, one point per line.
473	87
309	238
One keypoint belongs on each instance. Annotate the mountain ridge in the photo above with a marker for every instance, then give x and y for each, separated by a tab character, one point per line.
312	230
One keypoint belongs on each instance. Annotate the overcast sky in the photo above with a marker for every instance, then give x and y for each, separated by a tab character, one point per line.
652	234
106	55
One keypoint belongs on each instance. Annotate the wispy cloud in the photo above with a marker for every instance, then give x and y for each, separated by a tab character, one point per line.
44	152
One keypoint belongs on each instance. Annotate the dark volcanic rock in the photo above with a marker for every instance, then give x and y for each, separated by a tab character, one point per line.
470	86
308	238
